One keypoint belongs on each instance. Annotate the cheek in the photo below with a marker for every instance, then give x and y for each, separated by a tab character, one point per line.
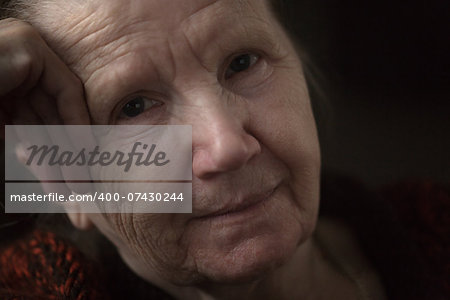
149	241
282	120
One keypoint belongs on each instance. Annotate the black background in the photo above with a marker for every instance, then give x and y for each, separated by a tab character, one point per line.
386	114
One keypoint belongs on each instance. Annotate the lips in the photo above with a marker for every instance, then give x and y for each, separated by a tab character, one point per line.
239	204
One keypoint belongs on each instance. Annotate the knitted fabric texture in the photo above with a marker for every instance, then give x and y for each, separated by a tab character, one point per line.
44	266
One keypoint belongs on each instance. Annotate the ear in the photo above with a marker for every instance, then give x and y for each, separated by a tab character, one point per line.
78	218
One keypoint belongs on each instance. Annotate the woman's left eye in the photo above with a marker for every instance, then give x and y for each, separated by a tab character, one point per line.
137	106
241	63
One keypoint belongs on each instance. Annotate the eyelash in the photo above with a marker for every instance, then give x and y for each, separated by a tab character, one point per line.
145	103
254	59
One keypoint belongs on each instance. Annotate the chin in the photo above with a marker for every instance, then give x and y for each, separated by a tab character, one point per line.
248	267
249	259
248	245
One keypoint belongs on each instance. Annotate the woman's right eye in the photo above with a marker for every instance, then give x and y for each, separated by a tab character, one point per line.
137	106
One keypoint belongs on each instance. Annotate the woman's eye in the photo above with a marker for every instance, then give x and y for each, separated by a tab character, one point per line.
241	63
136	106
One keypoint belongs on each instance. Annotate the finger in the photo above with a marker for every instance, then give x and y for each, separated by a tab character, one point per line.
20	62
45	107
26	60
71	172
24	114
63	137
61	84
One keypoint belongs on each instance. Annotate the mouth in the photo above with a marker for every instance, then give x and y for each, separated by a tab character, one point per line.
241	207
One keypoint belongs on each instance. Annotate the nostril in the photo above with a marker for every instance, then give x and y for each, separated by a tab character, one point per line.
233	152
227	153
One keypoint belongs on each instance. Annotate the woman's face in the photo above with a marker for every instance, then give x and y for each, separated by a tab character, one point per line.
228	69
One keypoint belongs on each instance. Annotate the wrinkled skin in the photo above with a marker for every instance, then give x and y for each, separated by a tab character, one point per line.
253	131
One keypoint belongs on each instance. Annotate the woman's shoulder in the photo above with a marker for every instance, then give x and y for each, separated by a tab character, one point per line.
402	228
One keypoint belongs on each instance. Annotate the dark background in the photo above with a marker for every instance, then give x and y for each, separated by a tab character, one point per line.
385	116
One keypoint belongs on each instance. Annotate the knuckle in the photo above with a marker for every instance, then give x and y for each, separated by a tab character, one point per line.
18	27
20	34
8	22
19	41
23	62
26	32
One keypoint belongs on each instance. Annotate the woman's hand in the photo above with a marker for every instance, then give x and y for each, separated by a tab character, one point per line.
36	87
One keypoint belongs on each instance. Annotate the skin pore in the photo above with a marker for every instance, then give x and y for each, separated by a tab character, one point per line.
254	137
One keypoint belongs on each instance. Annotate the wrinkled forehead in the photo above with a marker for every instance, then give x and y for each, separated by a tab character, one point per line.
77	27
119	47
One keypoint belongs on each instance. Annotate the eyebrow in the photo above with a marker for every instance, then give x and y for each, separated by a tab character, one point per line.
253	31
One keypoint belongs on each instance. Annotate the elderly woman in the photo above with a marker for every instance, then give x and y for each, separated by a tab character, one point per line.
229	69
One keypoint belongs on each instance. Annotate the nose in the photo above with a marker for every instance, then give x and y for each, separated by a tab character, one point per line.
220	142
